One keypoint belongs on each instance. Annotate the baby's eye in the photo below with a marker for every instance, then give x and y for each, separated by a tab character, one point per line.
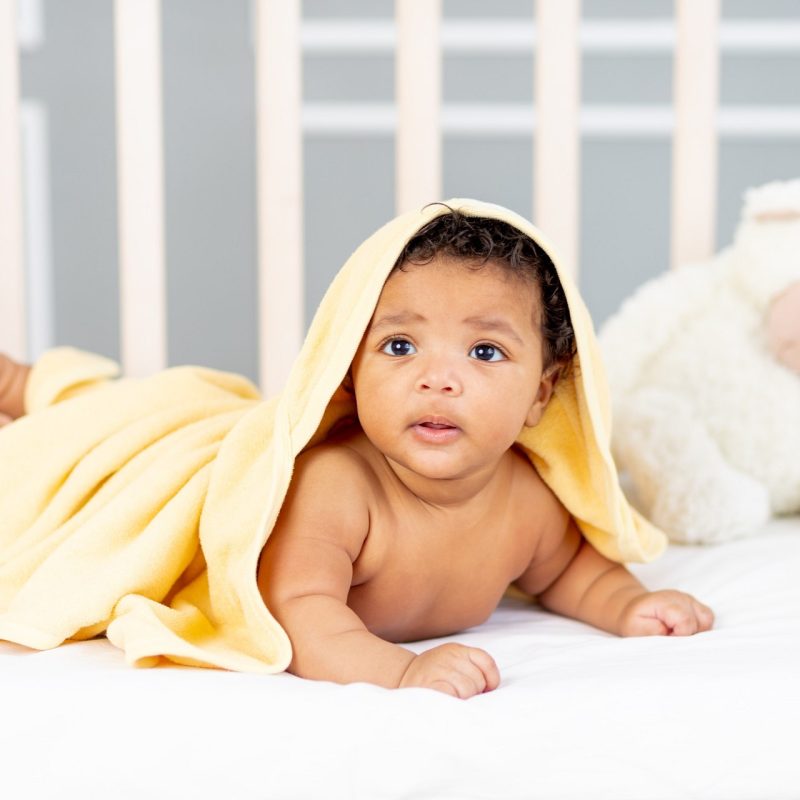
398	347
487	352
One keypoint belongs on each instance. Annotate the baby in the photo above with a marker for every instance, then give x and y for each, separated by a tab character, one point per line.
412	521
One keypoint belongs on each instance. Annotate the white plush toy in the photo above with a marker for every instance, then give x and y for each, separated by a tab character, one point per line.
704	367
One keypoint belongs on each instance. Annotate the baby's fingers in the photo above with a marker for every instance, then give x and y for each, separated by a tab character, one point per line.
444	686
667	614
680	621
647	626
471	671
462	683
705	616
687	619
486	664
454	669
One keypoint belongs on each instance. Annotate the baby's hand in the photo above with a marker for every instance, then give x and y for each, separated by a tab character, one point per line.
665	613
453	669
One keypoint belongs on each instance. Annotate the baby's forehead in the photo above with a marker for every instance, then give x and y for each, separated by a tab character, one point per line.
523	282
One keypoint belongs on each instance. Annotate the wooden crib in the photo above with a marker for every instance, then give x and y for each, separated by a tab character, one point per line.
556	119
580	714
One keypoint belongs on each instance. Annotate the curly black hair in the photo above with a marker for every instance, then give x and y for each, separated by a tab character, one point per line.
482	239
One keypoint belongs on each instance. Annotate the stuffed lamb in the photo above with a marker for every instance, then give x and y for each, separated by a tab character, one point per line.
704	367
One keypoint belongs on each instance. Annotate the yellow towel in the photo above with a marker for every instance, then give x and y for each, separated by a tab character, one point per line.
139	507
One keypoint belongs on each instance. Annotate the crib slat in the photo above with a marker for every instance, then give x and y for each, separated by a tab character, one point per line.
418	149
556	178
280	195
140	182
13	332
695	141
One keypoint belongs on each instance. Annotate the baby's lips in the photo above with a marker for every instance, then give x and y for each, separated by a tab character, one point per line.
436	421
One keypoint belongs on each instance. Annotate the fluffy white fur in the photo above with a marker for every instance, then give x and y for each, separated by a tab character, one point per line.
706	419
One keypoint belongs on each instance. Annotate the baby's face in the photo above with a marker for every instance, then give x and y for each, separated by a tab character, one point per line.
450	368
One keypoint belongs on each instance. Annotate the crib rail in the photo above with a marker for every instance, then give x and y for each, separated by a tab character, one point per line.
280	196
140	178
556	166
12	277
418	70
418	43
694	144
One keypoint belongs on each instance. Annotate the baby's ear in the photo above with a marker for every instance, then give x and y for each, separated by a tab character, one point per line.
347	382
544	393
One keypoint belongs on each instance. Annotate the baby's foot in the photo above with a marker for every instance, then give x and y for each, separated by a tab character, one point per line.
13	377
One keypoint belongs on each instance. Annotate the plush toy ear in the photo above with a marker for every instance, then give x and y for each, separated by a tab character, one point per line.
767	242
783	327
777	215
772	201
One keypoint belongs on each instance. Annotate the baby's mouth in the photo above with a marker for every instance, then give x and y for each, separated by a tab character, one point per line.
435	430
436	423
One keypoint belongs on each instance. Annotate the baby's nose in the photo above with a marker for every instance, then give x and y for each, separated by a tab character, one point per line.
439	377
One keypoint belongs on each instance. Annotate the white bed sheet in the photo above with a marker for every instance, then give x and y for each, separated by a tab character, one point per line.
579	714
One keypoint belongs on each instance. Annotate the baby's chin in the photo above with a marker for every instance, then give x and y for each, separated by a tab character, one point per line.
440	468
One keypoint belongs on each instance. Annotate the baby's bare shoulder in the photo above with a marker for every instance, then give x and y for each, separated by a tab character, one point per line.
328	497
320	530
331	464
534	498
556	537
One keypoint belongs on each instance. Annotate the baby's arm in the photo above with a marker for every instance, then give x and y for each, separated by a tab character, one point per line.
571	578
305	575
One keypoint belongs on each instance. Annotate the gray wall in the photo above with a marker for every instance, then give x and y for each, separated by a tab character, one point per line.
349	181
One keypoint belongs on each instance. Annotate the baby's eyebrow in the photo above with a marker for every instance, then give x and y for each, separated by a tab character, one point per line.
494	324
400	318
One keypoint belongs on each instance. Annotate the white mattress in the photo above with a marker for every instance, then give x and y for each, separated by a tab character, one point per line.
579	714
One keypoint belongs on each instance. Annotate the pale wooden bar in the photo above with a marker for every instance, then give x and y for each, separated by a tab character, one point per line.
556	170
13	329
695	139
418	78
140	165
280	192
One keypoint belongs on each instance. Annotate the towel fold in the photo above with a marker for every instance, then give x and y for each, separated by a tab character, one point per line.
139	507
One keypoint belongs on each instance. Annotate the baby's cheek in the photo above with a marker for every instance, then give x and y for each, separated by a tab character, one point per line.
783	327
